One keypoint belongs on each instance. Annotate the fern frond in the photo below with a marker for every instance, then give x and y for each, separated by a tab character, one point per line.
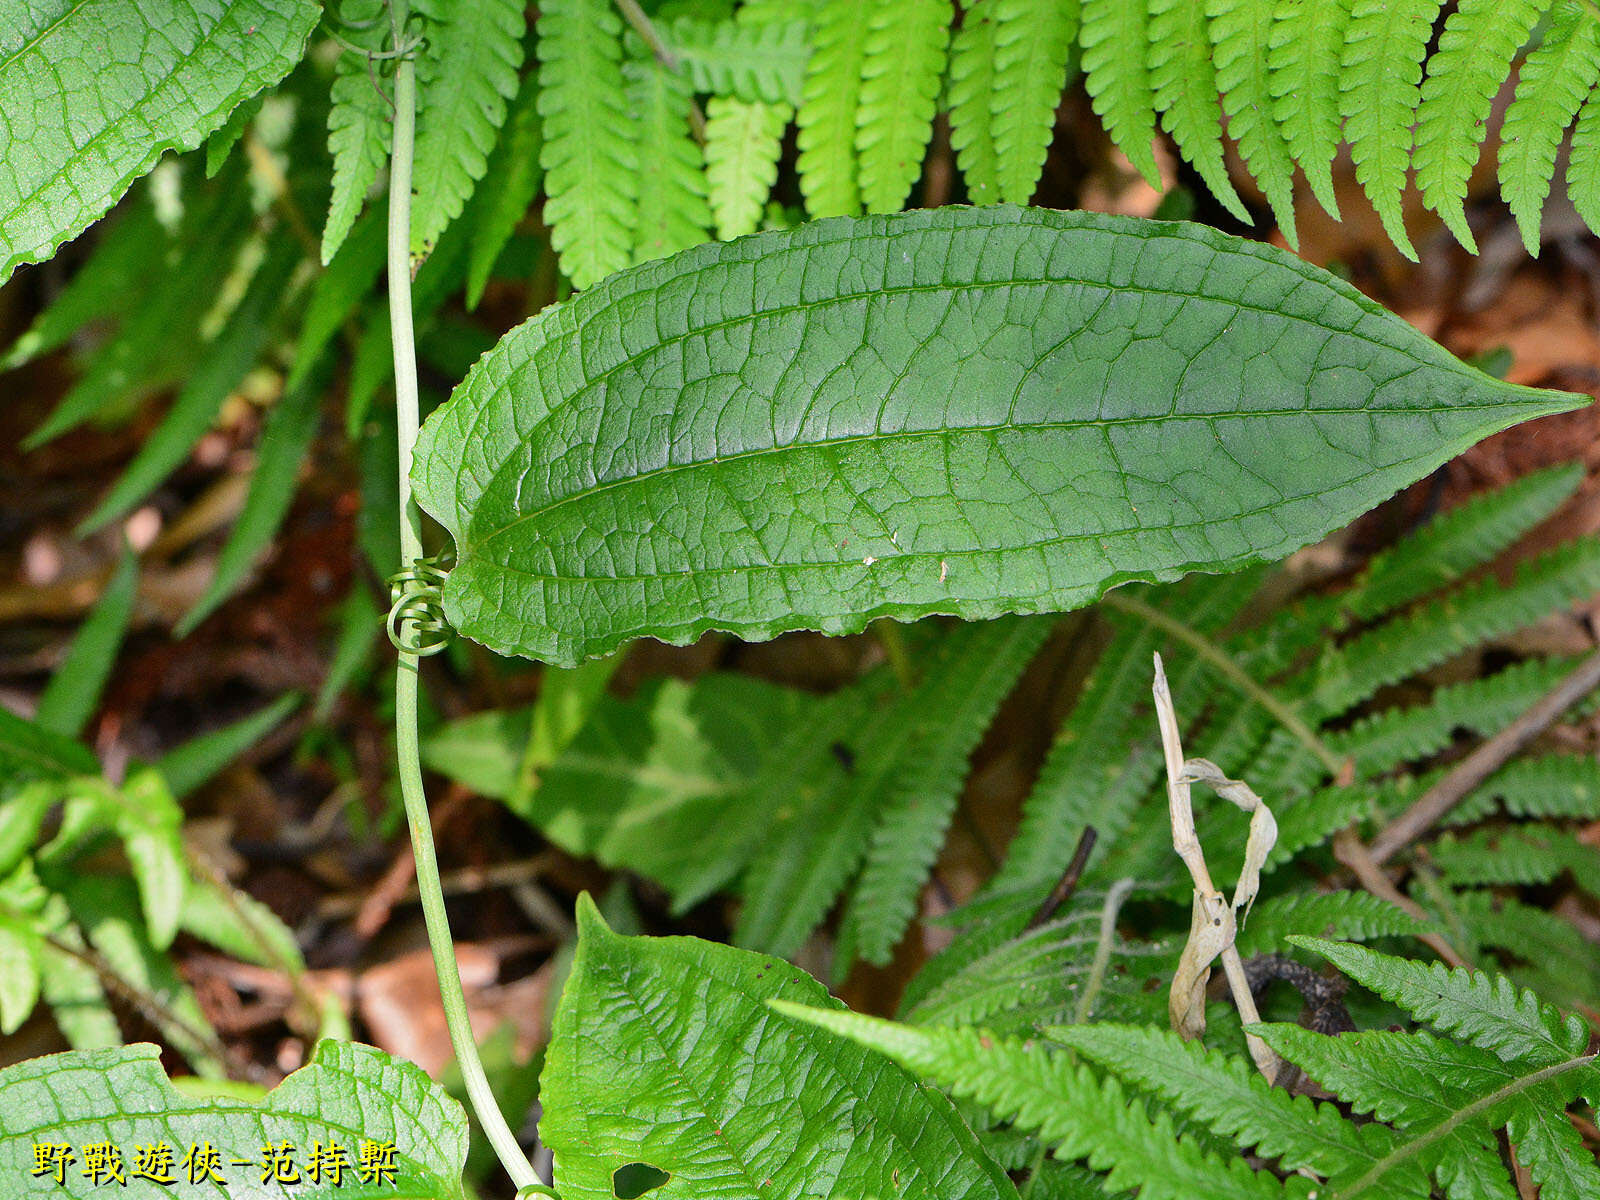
1487	856
1033	42
1467	536
815	842
902	63
1115	38
674	213
968	679
466	75
1017	980
1555	79
358	142
1241	33
1553	957
1303	60
589	157
827	115
1384	45
1384	740
1347	916
1414	641
1229	1096
743	141
1583	166
514	167
1479	43
1551	786
751	60
1038	1089
1184	82
1426	1086
1487	1010
969	93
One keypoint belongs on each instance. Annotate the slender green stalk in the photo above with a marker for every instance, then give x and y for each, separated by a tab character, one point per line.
429	890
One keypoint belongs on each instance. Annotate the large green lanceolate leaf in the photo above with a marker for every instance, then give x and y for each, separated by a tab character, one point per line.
106	1106
92	92
964	411
664	1053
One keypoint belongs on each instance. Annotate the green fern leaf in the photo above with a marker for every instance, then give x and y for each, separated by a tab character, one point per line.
1033	42
1560	962
1552	786
1466	537
1018	980
902	64
1307	44
1583	167
589	157
1414	641
358	141
1116	47
971	675
743	141
1479	43
1347	916
1384	45
514	168
466	75
1511	856
1555	79
1384	740
672	172
750	60
1445	1098
827	113
1185	85
1487	1010
969	93
1229	1096
1241	33
1084	1117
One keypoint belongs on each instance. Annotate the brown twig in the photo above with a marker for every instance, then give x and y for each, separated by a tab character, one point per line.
1068	883
1437	801
645	28
391	889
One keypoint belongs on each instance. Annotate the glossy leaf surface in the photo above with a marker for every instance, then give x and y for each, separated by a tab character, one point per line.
962	411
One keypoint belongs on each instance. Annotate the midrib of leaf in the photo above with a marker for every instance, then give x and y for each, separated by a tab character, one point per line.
1409	1149
907	435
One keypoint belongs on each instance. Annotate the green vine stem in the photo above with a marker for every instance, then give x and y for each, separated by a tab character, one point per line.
484	1106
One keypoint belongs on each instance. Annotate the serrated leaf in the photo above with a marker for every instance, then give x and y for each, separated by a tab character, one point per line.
902	63
664	1052
20	953
79	127
588	155
1184	81
1303	60
743	141
826	117
1033	42
358	143
466	74
751	60
1115	38
1556	77
349	1096
944	400
1241	32
1487	1010
1384	44
1476	51
514	167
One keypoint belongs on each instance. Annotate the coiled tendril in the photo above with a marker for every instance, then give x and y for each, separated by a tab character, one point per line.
417	623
